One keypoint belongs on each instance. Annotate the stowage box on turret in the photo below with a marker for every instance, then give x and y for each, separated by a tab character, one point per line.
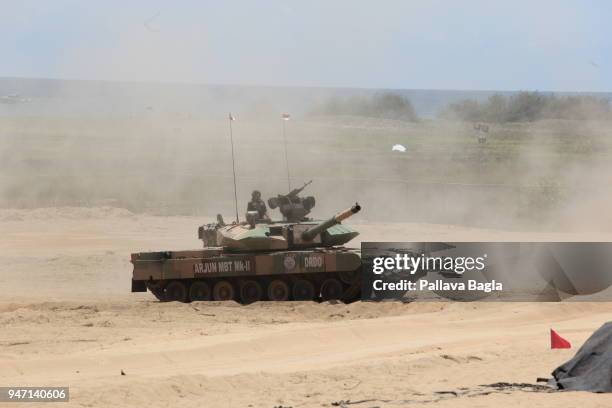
294	259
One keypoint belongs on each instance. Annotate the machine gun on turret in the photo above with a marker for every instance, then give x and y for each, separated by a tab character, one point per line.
293	207
296	191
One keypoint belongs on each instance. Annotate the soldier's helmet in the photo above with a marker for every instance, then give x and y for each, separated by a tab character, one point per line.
256	195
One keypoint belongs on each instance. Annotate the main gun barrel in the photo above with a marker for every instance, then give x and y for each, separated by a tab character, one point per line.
311	233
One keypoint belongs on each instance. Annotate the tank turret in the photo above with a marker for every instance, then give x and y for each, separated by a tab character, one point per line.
282	235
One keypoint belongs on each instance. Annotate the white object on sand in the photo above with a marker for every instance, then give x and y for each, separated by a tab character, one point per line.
399	148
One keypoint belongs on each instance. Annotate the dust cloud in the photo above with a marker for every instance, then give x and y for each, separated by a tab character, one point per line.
166	150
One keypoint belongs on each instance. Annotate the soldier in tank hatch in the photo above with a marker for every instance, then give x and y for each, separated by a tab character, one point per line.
257	204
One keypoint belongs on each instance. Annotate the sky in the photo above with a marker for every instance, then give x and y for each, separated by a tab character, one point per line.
561	45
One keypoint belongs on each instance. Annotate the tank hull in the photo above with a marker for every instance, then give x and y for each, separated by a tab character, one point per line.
214	274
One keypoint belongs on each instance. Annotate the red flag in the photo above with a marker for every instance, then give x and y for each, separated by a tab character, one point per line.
558	342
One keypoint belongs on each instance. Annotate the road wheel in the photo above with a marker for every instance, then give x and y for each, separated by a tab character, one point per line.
349	277
176	291
331	289
250	292
278	291
303	290
223	290
199	291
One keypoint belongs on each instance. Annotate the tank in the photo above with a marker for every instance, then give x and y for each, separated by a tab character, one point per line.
296	258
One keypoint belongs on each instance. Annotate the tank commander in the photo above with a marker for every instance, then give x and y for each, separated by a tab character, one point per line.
257	204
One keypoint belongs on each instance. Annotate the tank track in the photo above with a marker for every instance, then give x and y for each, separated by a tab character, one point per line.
320	287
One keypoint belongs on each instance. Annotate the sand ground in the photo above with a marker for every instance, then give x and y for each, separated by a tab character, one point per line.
67	319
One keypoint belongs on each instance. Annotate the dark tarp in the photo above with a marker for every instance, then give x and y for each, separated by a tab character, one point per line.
591	367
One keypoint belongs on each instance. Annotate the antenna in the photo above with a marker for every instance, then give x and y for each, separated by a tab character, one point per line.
231	119
285	117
